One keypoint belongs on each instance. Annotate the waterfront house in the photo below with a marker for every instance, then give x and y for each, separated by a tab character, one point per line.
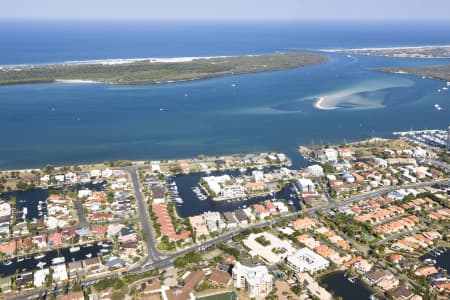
25	280
40	241
55	239
375	276
75	269
39	277
241	216
230	219
8	248
261	211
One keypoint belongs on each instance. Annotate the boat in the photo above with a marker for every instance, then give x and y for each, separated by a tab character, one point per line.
437	106
58	260
41	264
20	259
39	256
88	245
100	243
7	263
290	202
104	250
233	85
89	255
161	109
74	249
106	245
445	88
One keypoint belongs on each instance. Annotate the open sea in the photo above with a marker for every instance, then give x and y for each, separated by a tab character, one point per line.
81	123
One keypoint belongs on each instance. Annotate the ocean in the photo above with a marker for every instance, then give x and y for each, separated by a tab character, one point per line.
64	123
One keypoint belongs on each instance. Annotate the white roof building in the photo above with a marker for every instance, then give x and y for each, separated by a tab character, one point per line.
307	260
315	170
84	193
59	272
266	252
5	209
214	182
256	281
39	277
305	185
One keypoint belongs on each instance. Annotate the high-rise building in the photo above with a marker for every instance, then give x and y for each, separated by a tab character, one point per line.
256	281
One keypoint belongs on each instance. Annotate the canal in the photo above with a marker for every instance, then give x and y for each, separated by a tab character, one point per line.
340	286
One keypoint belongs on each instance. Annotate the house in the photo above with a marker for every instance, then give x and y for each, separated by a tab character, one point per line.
230	219
261	211
304	223
363	266
75	269
39	277
59	272
402	293
375	276
72	296
220	278
305	185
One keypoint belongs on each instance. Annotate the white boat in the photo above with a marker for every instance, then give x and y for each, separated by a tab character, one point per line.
104	250
88	245
445	88
41	264
20	259
437	106
7	262
161	109
233	85
106	245
58	260
290	202
39	256
100	243
74	249
89	255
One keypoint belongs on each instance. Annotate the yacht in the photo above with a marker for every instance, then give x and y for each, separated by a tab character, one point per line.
89	255
74	249
39	256
233	85
437	106
20	259
58	260
104	250
41	264
7	262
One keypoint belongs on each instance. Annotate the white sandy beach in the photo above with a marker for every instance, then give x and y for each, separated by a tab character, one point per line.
351	99
384	48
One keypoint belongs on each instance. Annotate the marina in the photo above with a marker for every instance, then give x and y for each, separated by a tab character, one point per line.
193	204
340	286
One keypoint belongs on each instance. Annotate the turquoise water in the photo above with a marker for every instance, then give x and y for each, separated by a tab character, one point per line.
81	123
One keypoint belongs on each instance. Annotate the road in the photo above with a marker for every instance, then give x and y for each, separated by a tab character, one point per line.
153	255
155	259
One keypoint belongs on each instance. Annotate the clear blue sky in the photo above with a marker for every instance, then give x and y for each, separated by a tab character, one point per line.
226	9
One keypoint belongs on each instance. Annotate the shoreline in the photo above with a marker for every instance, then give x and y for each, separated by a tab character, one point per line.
118	61
338	50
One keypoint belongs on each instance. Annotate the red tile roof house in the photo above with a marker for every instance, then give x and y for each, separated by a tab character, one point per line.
261	211
164	219
270	207
55	239
8	248
99	230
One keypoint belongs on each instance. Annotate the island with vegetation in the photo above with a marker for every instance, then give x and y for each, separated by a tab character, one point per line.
441	72
409	52
148	71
